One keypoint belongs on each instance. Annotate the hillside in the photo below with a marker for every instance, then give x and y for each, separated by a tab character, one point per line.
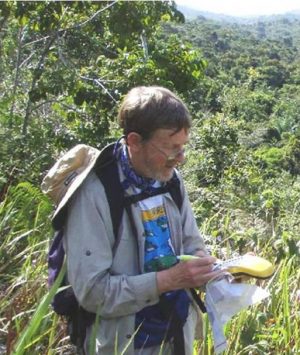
67	66
192	14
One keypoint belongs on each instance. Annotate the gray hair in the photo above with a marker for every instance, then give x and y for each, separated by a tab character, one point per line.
148	108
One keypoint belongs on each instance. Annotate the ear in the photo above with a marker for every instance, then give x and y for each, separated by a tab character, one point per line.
134	141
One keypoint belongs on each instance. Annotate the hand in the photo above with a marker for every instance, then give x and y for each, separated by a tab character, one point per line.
201	253
250	253
188	274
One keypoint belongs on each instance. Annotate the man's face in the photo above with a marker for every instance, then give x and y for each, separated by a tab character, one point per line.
157	157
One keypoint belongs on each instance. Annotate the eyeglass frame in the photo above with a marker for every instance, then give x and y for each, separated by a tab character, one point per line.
173	158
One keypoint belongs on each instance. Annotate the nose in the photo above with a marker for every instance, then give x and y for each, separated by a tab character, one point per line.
180	157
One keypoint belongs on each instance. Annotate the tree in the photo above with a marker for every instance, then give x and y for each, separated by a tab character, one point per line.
71	62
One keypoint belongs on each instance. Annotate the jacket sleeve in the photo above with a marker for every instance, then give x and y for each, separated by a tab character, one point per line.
89	240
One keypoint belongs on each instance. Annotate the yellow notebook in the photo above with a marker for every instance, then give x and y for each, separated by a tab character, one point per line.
249	265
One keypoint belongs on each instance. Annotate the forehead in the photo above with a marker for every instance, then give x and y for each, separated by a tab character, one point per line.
170	136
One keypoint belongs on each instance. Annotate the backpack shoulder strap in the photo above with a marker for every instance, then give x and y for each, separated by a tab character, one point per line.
173	186
109	176
107	171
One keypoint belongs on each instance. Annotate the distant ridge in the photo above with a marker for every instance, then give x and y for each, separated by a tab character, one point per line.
192	14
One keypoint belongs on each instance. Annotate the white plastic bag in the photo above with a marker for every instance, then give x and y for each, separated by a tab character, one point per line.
224	299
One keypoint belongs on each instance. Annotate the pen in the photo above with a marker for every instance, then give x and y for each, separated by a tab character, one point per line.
187	257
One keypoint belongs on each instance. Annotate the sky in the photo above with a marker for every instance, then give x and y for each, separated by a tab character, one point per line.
243	7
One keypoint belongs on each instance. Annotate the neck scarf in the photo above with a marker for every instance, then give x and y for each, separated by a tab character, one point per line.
131	177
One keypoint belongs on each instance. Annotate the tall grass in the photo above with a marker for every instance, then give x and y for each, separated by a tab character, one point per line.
273	326
25	315
26	339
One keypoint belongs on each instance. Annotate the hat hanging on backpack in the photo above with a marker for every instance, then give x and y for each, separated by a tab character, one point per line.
67	174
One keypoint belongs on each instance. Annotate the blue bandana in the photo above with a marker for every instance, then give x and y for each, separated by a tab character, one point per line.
131	177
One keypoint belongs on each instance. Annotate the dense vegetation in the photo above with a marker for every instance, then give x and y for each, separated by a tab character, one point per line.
66	65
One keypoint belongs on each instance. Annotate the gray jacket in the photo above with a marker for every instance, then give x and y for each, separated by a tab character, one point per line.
111	285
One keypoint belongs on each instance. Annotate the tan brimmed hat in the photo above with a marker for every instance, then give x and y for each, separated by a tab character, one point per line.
68	173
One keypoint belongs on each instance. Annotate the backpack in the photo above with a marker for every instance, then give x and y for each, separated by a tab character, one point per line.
106	169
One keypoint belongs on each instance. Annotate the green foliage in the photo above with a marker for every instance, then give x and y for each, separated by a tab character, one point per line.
284	157
286	110
215	144
182	64
273	73
22	213
23	223
272	157
69	63
245	104
27	337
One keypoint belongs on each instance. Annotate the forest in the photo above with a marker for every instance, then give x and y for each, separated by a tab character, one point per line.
65	67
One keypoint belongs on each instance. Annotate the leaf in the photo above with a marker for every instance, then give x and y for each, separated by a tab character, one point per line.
43	307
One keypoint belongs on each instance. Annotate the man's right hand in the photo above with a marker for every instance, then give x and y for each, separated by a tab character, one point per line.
188	274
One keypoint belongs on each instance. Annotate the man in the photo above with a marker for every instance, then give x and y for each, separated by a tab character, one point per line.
133	286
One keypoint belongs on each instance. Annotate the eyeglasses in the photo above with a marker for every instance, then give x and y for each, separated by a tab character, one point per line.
173	158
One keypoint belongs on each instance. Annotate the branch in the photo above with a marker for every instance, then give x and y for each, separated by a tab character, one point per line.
61	31
27	59
34	81
92	17
16	80
99	83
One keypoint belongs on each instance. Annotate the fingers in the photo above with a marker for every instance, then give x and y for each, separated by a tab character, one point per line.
196	272
208	277
187	274
250	253
204	260
201	253
204	276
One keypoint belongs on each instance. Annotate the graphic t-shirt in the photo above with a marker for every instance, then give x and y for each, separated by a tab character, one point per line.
159	252
153	323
